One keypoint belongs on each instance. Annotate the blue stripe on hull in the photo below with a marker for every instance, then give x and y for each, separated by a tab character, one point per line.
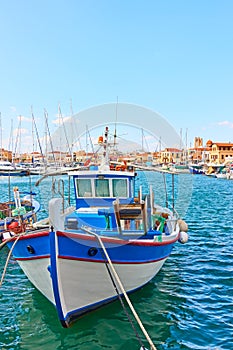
31	247
53	271
38	245
128	253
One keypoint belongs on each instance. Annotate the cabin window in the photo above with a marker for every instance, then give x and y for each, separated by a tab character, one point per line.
102	188
84	187
119	188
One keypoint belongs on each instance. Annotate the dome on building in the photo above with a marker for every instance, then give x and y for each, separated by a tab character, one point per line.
209	143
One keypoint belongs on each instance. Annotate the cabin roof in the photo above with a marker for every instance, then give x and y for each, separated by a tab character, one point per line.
110	173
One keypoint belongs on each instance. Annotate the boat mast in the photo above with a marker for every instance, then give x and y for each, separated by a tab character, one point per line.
1	133
92	146
186	147
10	145
74	128
20	130
33	142
105	156
37	136
48	131
65	133
18	139
114	142
142	140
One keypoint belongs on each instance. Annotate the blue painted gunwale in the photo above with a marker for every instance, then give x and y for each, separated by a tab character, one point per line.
76	247
39	241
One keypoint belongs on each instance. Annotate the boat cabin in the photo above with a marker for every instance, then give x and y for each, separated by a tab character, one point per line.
105	200
101	189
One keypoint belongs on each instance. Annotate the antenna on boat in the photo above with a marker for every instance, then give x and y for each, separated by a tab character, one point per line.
103	141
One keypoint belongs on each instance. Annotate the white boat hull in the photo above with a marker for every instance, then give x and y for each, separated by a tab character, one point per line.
84	285
38	274
92	285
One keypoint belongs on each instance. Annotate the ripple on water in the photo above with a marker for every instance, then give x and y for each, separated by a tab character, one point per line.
189	305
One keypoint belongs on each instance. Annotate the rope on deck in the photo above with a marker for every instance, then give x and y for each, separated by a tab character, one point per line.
122	288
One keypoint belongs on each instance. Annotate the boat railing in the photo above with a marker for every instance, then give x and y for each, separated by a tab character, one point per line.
58	188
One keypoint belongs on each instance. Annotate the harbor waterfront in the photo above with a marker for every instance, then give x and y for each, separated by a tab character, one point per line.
188	305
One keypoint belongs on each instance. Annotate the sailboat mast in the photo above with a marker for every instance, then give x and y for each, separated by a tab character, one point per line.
38	138
186	146
142	141
74	128
1	133
20	129
33	140
48	133
10	145
17	146
114	141
65	133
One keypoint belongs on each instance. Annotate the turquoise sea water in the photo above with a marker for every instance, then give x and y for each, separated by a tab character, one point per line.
188	305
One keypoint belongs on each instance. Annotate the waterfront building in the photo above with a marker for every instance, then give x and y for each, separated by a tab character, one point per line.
220	151
171	155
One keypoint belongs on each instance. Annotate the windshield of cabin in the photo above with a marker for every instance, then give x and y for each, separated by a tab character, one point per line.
102	188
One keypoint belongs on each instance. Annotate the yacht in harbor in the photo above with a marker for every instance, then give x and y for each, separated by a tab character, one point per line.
9	169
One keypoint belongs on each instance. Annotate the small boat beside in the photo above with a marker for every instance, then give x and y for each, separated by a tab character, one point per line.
18	212
113	241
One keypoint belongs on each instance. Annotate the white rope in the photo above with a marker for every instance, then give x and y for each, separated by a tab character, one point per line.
8	257
122	289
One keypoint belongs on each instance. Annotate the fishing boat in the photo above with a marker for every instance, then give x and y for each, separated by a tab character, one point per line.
14	214
113	241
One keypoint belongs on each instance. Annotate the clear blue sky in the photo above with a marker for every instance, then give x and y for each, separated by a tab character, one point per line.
172	56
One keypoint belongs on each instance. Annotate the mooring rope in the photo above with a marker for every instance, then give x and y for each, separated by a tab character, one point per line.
122	302
9	254
122	288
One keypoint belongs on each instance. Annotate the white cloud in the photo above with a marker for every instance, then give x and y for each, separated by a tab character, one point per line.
21	131
225	123
13	109
59	121
24	119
